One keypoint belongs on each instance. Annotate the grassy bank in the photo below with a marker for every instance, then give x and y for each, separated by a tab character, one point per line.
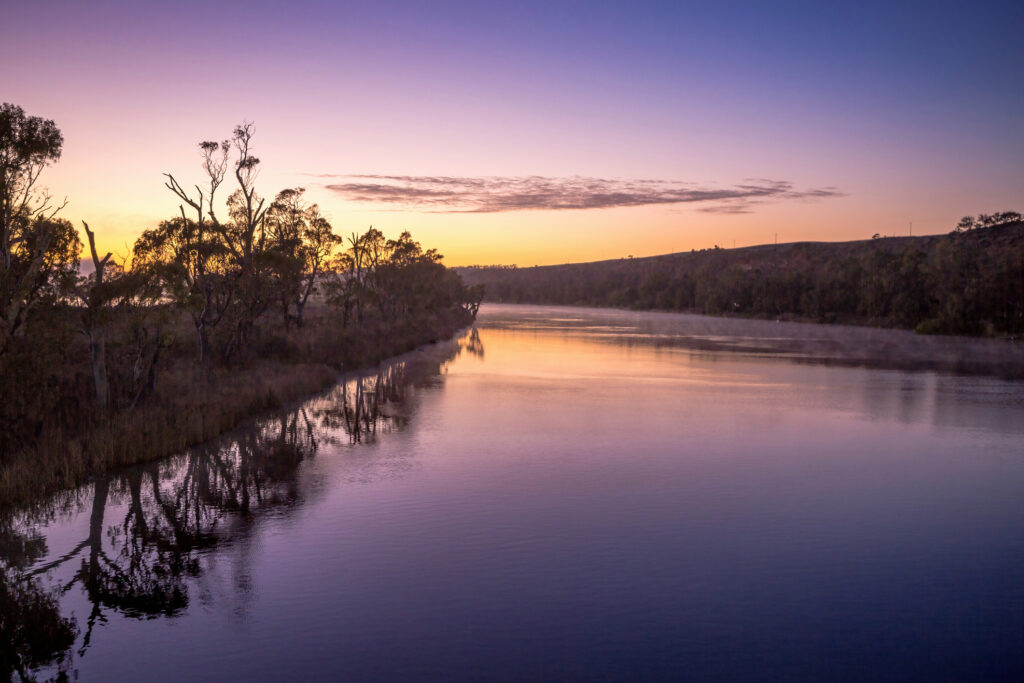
192	404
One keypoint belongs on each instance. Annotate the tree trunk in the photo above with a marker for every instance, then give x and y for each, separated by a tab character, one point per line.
99	504
98	349
202	341
151	378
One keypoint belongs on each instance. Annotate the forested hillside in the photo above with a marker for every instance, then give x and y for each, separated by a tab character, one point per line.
970	281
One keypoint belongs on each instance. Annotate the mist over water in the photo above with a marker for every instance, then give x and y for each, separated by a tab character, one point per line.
566	493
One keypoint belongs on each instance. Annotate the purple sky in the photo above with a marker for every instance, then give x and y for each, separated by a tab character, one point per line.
563	131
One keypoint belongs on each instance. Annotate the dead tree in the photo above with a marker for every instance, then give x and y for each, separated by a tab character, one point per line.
96	297
196	245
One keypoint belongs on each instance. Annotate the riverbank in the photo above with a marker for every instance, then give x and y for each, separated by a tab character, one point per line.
191	404
800	342
964	283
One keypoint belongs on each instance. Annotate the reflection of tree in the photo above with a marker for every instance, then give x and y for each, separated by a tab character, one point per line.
141	576
368	405
141	564
32	631
255	470
172	510
472	344
365	405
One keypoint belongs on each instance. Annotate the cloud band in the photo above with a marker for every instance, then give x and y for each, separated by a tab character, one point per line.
493	194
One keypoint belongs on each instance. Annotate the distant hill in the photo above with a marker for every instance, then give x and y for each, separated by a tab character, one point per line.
970	281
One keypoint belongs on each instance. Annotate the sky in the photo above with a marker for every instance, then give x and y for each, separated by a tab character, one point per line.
538	132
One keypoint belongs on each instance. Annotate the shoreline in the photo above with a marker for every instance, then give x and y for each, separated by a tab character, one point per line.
966	283
192	408
834	321
837	344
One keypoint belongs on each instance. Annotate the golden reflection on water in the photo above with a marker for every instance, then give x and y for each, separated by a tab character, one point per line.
534	450
554	355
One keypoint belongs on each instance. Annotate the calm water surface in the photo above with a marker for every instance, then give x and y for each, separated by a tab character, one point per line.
565	493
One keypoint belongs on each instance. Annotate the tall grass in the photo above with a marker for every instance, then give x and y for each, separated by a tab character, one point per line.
192	404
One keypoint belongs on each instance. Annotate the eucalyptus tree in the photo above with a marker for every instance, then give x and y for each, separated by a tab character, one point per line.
245	238
397	280
301	242
318	245
190	263
225	263
286	223
95	294
38	252
191	246
351	286
129	301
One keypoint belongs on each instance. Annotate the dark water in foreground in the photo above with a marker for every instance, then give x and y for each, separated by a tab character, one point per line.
569	494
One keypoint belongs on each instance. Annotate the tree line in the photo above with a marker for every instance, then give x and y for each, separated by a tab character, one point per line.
205	288
970	281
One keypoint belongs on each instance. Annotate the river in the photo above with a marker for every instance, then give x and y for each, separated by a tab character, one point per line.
565	493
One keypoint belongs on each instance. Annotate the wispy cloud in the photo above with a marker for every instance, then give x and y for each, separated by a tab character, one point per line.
492	194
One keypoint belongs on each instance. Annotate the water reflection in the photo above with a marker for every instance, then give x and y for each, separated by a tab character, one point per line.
151	527
597	496
473	345
841	345
363	406
32	630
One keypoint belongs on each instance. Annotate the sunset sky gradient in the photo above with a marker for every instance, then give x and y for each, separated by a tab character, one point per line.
539	132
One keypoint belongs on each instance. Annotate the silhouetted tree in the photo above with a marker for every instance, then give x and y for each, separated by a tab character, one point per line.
301	242
245	238
36	250
193	248
95	294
